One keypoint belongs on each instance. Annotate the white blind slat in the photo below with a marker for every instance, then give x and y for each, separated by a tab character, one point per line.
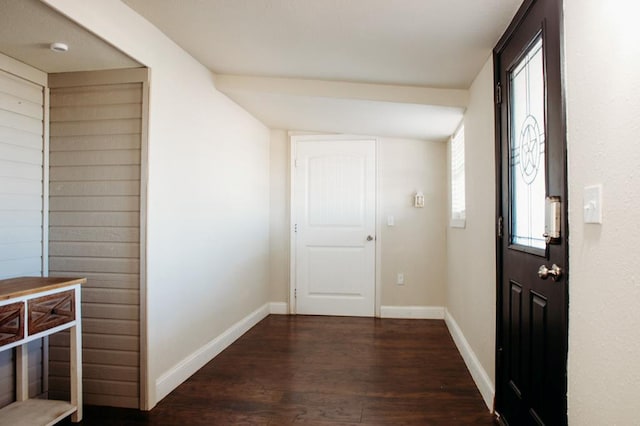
458	176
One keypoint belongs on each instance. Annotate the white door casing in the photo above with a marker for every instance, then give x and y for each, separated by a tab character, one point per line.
334	217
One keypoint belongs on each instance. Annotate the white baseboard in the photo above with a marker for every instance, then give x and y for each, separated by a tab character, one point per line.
480	376
412	312
279	308
188	366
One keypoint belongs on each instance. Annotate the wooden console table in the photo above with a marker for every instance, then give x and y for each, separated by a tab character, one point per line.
32	308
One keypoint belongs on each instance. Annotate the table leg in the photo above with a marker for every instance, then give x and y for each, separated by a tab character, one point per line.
75	350
22	372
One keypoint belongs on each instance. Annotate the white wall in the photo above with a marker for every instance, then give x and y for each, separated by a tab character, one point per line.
210	270
603	122
603	119
471	261
414	246
208	200
279	215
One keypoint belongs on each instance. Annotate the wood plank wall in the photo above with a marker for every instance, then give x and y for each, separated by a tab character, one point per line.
95	232
21	206
21	187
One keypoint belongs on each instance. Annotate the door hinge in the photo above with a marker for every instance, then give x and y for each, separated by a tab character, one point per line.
500	227
295	293
498	93
295	162
295	228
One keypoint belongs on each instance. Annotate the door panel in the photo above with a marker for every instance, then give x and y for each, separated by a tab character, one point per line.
334	196
532	312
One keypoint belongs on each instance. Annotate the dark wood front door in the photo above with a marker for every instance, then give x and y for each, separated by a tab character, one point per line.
532	302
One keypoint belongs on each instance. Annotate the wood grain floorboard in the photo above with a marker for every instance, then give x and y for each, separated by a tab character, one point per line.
322	371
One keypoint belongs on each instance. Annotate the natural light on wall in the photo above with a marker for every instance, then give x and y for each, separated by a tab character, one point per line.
458	215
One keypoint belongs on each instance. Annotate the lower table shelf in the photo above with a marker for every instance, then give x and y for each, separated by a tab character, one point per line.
33	308
35	412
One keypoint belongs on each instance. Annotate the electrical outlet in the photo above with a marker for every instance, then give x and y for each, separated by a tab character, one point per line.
400	279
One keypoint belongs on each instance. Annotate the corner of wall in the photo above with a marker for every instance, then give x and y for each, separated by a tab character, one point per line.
279	212
471	289
180	372
478	373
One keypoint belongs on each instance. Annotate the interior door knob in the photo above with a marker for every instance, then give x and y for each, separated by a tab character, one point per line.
369	238
554	272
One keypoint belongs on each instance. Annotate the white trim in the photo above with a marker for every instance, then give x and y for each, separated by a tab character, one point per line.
84	78
145	383
45	186
292	224
412	312
457	223
279	308
480	376
180	372
378	255
45	223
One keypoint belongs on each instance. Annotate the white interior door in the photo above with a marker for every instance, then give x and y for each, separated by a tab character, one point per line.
334	217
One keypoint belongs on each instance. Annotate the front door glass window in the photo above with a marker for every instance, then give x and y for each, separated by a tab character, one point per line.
527	149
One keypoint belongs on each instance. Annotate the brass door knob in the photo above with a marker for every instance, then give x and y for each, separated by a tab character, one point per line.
554	272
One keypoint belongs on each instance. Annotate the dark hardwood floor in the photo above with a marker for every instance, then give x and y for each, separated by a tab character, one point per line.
323	371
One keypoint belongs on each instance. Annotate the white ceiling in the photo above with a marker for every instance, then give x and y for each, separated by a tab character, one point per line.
435	43
28	27
374	67
415	43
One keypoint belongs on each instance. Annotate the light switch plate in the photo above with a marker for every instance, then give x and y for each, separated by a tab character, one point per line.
391	221
592	204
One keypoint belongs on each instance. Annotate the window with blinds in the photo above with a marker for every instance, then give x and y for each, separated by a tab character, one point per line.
458	208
